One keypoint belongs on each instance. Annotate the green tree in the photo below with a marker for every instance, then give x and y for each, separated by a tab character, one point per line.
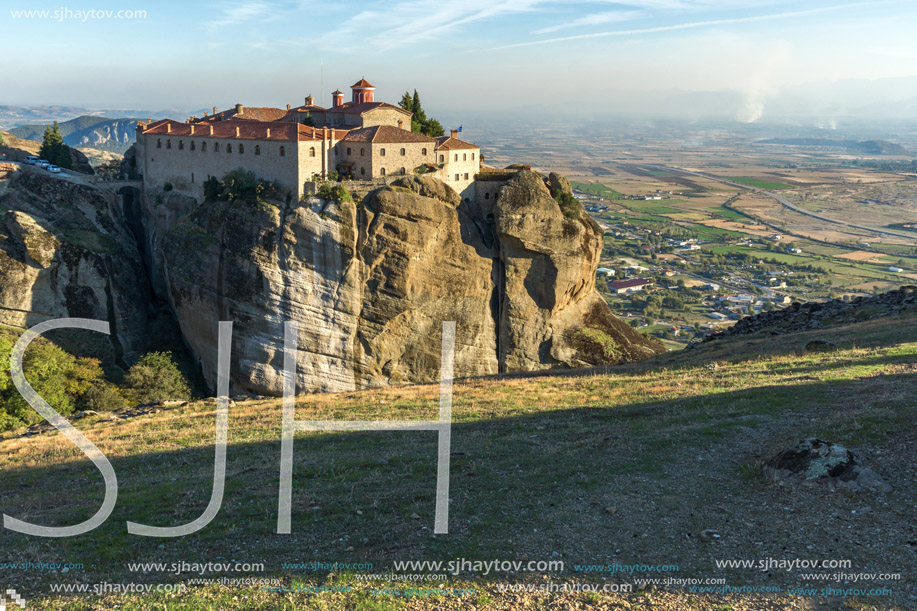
407	102
53	148
156	377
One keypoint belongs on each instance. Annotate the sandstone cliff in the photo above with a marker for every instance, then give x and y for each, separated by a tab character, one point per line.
369	284
66	251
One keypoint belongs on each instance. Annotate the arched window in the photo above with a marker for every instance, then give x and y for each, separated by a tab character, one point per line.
216	147
241	148
312	151
464	156
382	152
442	158
348	150
423	151
403	152
257	149
181	145
192	145
381	171
403	171
362	171
204	148
487	196
229	147
168	144
159	143
283	151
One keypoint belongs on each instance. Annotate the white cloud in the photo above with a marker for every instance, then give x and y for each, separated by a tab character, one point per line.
591	20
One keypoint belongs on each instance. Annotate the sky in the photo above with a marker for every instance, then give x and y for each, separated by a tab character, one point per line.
745	58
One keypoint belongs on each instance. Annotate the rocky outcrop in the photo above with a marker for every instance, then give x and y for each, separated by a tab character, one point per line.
816	315
65	252
815	461
370	283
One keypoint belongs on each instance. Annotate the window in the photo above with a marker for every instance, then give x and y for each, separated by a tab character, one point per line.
159	143
466	175
348	150
456	176
228	147
382	152
283	151
442	158
464	156
362	152
402	152
192	173
423	151
456	157
403	171
192	145
204	148
487	196
472	156
181	145
382	171
216	147
362	171
241	148
257	149
312	151
168	144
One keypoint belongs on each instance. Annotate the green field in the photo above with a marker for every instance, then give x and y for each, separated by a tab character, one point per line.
758	183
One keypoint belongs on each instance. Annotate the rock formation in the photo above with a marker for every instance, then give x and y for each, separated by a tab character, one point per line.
370	283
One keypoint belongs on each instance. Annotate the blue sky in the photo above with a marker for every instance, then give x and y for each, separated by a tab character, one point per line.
540	55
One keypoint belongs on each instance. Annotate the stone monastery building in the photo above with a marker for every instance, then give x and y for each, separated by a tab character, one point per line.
361	139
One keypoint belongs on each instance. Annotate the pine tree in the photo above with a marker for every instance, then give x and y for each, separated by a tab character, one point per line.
53	148
407	102
417	109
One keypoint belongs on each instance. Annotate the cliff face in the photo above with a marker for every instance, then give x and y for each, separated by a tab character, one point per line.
65	251
370	283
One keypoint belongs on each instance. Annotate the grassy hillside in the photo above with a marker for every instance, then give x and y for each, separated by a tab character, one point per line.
651	463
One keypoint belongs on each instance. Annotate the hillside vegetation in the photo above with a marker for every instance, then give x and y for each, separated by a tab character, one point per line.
652	462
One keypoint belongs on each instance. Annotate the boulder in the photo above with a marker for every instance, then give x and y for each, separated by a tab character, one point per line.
823	462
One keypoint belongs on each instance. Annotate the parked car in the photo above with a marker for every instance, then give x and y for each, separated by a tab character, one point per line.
31	160
43	163
53	169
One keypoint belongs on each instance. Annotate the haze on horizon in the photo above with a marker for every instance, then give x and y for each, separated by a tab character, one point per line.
745	59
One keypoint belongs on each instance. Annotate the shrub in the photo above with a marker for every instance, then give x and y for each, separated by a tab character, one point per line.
569	205
61	379
156	377
103	397
335	193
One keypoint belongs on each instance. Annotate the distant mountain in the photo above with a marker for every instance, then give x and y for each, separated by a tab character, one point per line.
103	133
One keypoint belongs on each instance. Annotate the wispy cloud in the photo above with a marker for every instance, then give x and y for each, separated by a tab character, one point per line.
242	12
681	26
411	21
592	20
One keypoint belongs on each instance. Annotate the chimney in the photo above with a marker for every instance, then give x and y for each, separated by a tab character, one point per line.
211	130
269	132
237	131
168	128
239	109
205	113
454	133
288	107
337	98
214	110
310	101
192	130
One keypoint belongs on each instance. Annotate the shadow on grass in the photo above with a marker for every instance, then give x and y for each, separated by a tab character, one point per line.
522	484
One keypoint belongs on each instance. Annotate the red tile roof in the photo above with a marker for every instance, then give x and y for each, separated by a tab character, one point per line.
244	130
363	83
359	109
249	113
449	143
626	284
337	92
386	134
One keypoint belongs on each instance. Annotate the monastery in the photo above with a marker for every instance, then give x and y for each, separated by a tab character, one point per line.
361	140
